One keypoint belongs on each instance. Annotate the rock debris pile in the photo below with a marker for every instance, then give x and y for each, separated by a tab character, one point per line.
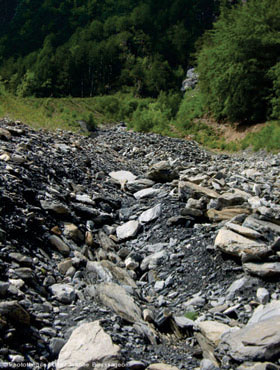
136	251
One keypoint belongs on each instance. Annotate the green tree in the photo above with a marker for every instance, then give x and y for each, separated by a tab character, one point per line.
235	58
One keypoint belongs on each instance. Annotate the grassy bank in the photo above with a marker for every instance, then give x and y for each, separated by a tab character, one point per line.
170	115
64	113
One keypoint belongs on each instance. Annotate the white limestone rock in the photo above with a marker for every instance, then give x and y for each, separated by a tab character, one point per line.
88	347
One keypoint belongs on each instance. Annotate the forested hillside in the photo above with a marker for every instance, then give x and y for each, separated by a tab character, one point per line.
89	47
131	57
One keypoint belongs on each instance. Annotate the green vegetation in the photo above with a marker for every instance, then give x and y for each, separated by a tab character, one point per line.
238	63
52	113
86	48
109	61
192	315
142	114
267	138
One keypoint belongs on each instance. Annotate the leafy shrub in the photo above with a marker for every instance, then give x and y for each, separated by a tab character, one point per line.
274	75
151	118
235	58
91	122
192	106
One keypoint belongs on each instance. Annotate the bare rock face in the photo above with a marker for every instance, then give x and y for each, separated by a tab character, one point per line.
255	342
88	347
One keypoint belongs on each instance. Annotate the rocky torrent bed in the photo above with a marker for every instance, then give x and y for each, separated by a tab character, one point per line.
136	251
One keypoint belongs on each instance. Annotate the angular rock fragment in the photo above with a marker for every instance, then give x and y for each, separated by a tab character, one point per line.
72	231
116	298
161	366
258	366
108	272
263	295
245	283
146	193
226	213
64	293
87	348
140	184
128	230
260	225
151	214
55	207
5	134
162	172
59	244
264	312
153	260
122	177
105	242
245	231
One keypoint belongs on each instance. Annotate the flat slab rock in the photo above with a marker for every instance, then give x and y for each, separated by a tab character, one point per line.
151	214
267	269
237	245
225	213
255	342
264	312
115	297
213	330
146	193
260	225
245	231
186	187
88	346
258	366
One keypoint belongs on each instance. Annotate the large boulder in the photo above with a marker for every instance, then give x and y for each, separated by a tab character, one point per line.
122	177
237	245
162	172
88	347
115	297
255	342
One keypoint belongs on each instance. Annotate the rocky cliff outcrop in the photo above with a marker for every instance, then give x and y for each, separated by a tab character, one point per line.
136	251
